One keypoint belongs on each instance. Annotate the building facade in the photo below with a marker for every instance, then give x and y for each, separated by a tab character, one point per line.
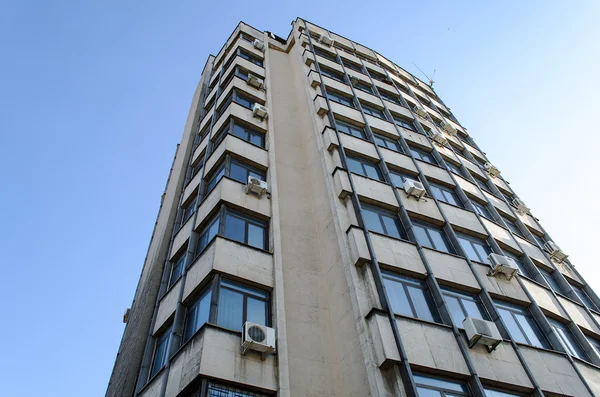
329	197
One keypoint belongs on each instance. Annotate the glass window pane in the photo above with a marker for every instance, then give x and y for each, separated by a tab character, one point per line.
513	328
421	303
398	298
372	221
474	309
355	166
440	383
456	311
240	132
372	171
235	228
391	226
257	139
438	240
238	172
531	330
230	309
468	248
451	198
421	236
256	311
397	179
256	236
423	392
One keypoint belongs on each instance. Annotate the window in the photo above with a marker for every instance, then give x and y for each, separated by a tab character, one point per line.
160	356
215	177
188	209
445	194
512	226
431	236
378	76
475	248
481	209
422	155
236	304
539	239
498	393
521	325
207	234
387	143
409	297
327	55
249	135
332	74
382	221
585	298
595	344
551	281
245	229
241	73
482	184
340	98
373	111
460	305
215	390
236	170
195	168
567	339
251	58
398	178
436	387
454	168
239	303
247	37
404	123
176	269
390	97
244	100
522	268
364	168
240	172
197	313
351	65
350	129
363	87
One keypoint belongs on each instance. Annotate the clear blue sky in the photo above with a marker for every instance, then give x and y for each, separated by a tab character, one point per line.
94	96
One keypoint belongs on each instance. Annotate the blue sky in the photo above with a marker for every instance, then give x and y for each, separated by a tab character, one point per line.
94	96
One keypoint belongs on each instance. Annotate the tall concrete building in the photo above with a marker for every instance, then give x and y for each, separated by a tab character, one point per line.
329	228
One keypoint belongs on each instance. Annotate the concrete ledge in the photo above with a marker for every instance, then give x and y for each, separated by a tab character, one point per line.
359	252
341	183
386	352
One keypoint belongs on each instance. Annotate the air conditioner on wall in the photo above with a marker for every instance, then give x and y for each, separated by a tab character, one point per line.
503	265
324	39
258	338
438	138
522	209
448	128
259	111
554	251
255	81
420	111
491	170
414	188
483	332
257	186
259	44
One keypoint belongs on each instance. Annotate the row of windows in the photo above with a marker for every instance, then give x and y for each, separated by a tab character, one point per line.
223	302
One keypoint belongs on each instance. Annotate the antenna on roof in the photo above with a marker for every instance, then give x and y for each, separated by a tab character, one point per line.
431	82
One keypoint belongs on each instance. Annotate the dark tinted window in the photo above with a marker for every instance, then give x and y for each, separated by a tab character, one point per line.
382	221
521	325
365	168
409	297
445	194
350	129
431	236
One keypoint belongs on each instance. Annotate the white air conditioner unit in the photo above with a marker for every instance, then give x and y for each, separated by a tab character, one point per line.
438	138
554	251
491	170
257	186
324	39
482	332
259	338
259	111
503	264
255	81
414	188
259	44
420	111
522	209
126	315
448	128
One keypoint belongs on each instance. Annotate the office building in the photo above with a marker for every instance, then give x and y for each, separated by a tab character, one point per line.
329	228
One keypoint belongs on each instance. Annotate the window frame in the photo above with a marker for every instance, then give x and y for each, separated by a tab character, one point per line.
373	111
387	140
405	283
380	212
568	341
341	99
514	311
364	163
422	155
472	240
461	389
429	228
163	337
361	134
460	297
